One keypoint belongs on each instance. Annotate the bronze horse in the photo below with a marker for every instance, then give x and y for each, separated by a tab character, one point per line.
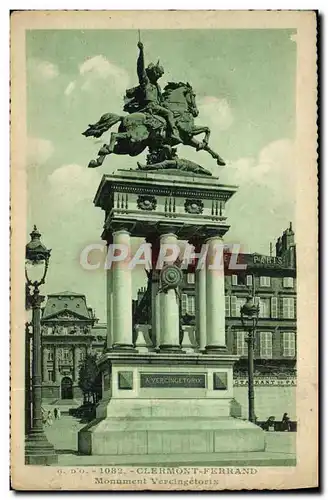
140	130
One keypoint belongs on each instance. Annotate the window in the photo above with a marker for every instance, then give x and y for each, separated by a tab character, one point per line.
288	346
241	344
274	307
288	307
234	279
190	278
233	311
249	280
266	344
49	330
50	375
227	306
288	283
191	305
236	304
66	354
265	281
264	308
50	356
184	299
187	304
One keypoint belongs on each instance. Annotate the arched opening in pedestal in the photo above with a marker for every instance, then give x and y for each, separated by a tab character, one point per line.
66	388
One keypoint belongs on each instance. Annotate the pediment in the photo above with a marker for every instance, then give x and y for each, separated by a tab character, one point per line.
66	315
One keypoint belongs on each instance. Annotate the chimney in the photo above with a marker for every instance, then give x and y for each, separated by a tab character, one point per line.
290	236
278	247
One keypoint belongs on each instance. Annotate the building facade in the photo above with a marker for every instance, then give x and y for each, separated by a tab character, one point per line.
69	330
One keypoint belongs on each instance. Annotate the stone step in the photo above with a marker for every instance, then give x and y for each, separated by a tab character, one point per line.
249	459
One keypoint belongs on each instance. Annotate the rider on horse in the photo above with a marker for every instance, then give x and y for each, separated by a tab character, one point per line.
143	127
148	96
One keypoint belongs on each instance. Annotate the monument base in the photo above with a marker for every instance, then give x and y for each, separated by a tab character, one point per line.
167	405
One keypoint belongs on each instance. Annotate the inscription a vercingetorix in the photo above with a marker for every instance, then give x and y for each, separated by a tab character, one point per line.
189	380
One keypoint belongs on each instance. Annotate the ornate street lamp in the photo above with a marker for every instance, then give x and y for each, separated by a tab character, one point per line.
38	450
249	317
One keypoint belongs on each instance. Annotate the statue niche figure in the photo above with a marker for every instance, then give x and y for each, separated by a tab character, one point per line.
157	121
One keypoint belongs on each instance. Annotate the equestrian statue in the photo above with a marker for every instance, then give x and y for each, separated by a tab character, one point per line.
156	120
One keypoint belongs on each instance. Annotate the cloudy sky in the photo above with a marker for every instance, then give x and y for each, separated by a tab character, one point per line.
245	86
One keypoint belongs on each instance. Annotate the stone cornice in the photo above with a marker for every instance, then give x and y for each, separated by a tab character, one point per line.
158	184
171	359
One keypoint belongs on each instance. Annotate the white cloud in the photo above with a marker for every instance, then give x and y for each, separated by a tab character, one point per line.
274	167
265	200
38	151
98	74
43	70
72	183
216	111
102	67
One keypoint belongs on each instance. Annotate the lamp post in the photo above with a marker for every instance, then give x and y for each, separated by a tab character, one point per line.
38	450
249	317
28	402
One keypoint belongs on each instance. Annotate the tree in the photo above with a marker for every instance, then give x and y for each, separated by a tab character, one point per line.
89	379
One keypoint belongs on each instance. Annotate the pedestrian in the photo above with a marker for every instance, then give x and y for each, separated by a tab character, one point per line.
49	419
269	424
56	413
285	423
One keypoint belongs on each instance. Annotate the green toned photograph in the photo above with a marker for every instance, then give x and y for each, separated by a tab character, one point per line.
159	171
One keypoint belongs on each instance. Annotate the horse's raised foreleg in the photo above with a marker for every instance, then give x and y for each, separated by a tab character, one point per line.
215	155
202	130
198	146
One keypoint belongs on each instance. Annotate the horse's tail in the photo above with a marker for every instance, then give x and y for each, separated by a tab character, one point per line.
102	125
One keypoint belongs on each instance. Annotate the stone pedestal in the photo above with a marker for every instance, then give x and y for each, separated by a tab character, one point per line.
167	404
160	401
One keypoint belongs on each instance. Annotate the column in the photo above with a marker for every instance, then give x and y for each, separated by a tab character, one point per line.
122	295
155	302
158	318
200	306
44	364
155	309
109	291
76	362
169	307
215	299
56	364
